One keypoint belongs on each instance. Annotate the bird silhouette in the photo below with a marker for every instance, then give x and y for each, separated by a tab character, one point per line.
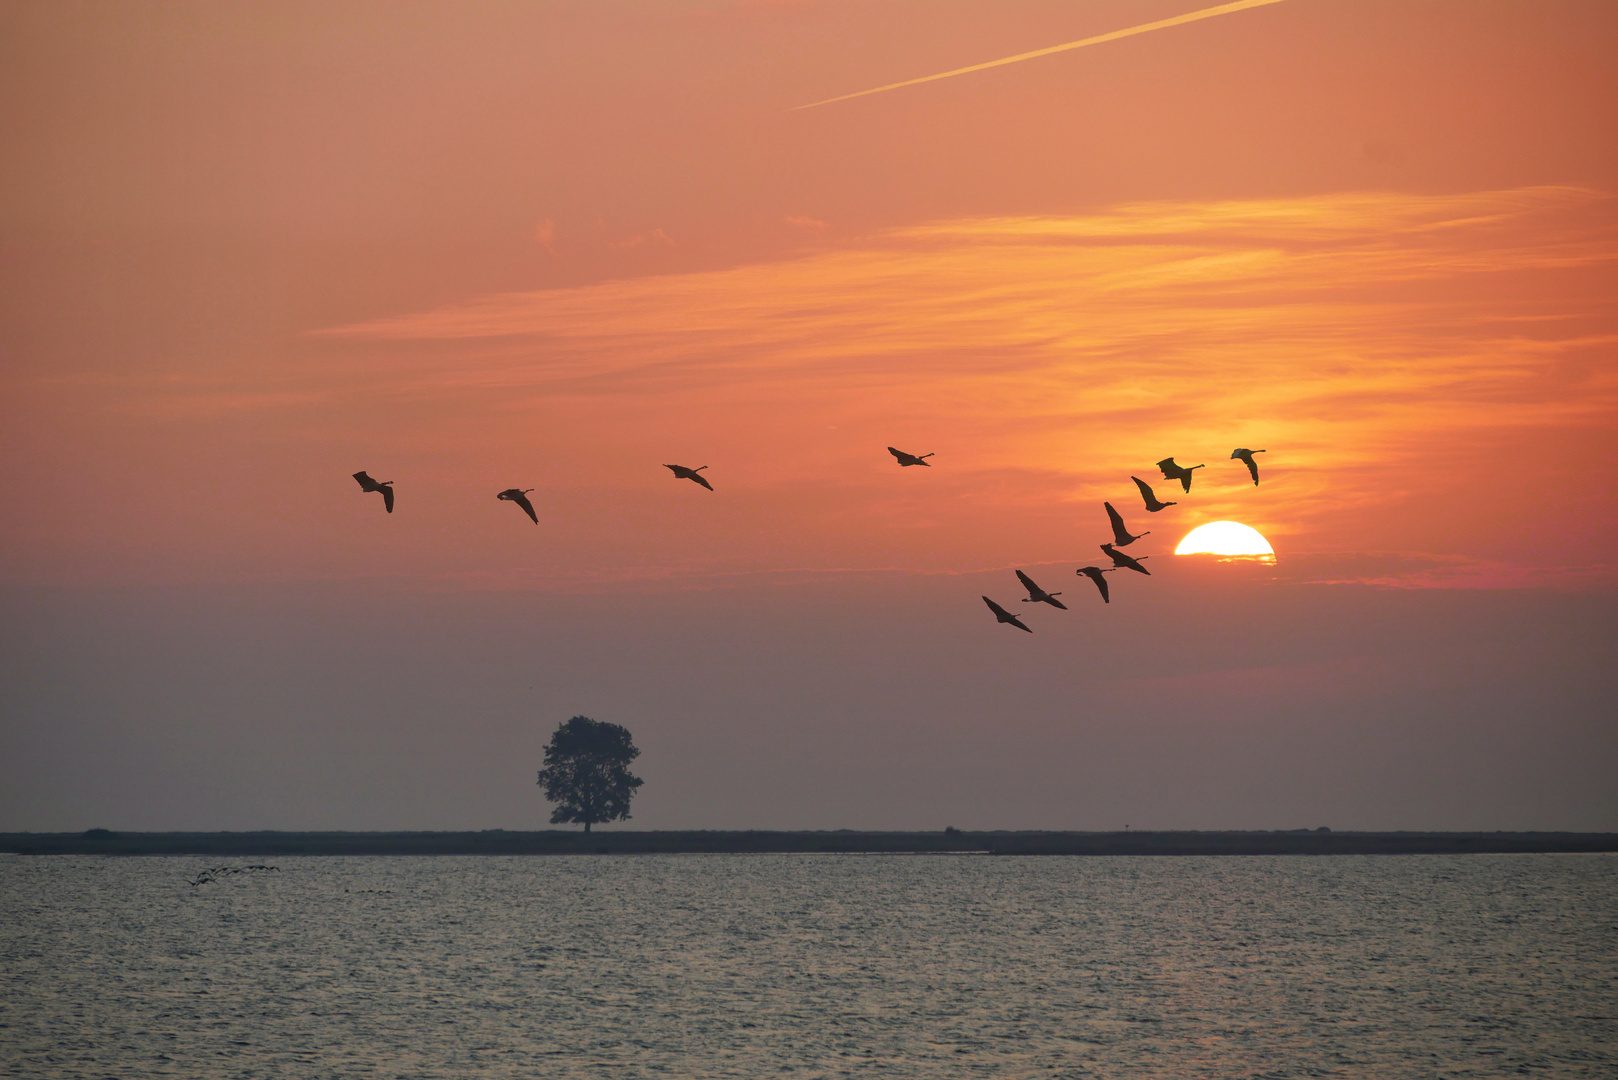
1120	535
384	486
1172	471
1036	595
1120	561
908	459
1152	503
1247	456
1094	574
690	474
520	497
1002	615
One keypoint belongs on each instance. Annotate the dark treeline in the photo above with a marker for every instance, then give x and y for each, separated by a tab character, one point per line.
557	842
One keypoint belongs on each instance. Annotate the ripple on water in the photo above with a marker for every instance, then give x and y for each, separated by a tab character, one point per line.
719	966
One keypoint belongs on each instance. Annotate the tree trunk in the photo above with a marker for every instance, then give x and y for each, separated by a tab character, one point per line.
586	826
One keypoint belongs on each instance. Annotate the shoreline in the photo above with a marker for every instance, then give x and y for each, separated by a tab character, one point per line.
764	842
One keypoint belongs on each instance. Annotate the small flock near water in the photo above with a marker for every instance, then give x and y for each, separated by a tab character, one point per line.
1121	536
219	873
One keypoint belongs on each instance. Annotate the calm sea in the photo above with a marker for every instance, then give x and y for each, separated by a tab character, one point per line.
839	965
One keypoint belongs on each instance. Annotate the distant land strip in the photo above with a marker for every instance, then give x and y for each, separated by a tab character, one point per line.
760	842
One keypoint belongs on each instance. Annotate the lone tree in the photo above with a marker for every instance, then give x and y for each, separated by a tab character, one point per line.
586	772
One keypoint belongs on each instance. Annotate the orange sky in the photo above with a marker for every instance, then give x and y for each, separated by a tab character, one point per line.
248	250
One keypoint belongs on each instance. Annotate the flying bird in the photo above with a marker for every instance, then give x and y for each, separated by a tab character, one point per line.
384	486
1002	615
1172	471
908	459
1036	595
1120	561
1247	456
1094	574
1120	535
520	497
690	474
1152	505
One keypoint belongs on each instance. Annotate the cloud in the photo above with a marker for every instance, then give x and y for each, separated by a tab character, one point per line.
801	222
657	237
1388	343
545	235
1161	24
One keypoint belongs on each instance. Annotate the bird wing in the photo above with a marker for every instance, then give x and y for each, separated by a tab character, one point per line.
1094	574
999	612
1171	471
1252	467
900	454
1028	583
522	500
387	496
1145	491
703	480
1120	535
1054	602
365	481
1014	621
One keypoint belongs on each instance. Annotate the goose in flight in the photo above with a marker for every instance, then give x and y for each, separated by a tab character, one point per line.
520	497
690	474
1172	471
908	459
1120	535
1120	561
384	486
1247	456
1152	505
1036	595
1094	574
1002	615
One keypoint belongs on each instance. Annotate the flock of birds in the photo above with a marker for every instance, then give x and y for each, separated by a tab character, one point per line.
214	873
1121	536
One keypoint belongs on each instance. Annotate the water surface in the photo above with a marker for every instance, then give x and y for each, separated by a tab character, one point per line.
838	965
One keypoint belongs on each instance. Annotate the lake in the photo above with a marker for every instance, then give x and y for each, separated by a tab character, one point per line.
808	965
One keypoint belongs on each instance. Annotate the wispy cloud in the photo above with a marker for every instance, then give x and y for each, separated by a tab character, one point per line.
1383	340
1144	28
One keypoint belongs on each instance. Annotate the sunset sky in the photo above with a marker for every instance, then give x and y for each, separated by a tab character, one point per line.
248	250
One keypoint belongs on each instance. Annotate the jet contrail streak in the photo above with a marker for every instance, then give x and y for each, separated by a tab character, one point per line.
1194	16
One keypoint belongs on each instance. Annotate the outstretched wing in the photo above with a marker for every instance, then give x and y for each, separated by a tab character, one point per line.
999	612
1145	491
1094	574
387	496
1028	583
900	454
364	480
703	480
1171	471
528	508
1252	467
1120	535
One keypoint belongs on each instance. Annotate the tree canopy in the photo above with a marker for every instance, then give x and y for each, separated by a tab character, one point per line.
586	772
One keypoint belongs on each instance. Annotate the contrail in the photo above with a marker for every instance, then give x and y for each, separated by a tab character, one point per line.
1205	13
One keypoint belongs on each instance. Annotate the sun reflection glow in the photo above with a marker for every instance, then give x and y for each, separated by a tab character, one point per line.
1228	539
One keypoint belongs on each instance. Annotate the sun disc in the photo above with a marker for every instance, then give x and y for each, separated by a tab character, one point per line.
1225	538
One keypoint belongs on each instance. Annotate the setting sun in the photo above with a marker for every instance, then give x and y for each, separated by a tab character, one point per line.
1225	538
